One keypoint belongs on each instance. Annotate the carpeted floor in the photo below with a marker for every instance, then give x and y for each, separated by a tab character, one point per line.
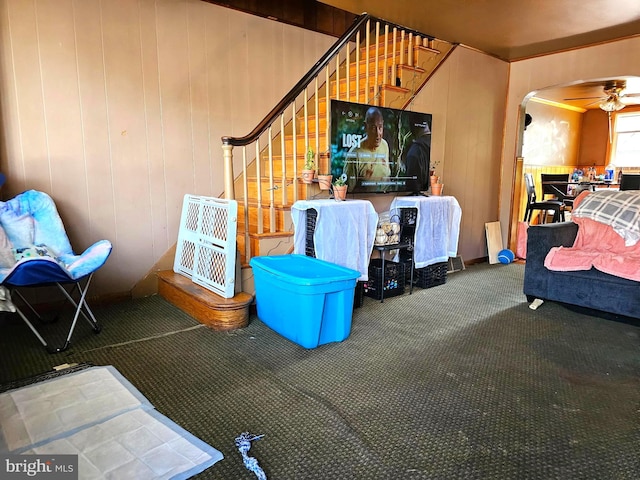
460	381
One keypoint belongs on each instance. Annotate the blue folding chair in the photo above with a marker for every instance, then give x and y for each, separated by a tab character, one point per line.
35	251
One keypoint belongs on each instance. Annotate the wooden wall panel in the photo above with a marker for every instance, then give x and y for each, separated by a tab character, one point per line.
101	221
30	115
161	237
240	73
259	43
127	130
199	101
61	105
175	95
10	139
220	88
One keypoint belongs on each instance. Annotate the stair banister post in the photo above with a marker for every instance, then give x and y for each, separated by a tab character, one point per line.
227	155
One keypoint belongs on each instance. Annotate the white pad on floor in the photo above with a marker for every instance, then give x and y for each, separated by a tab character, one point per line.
98	415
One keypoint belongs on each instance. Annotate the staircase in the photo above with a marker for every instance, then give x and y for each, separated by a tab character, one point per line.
375	63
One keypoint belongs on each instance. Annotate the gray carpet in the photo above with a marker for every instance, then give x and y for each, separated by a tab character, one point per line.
460	381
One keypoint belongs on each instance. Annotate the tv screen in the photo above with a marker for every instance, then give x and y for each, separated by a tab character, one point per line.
379	149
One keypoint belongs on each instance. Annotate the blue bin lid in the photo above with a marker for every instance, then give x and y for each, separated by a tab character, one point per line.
304	270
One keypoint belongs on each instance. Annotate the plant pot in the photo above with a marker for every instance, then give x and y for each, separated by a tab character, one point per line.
307	176
436	189
340	192
324	181
434	179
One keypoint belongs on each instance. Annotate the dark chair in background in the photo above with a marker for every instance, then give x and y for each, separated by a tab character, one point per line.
630	181
544	206
557	185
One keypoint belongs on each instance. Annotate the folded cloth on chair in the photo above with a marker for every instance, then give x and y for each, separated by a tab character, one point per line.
32	224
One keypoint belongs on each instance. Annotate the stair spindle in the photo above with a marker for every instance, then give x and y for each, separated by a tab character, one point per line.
358	67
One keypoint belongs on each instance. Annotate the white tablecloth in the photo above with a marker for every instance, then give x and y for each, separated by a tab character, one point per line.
344	231
437	227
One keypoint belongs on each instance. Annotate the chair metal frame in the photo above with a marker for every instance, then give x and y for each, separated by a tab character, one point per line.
81	308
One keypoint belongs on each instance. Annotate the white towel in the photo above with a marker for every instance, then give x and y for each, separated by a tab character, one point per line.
437	227
344	232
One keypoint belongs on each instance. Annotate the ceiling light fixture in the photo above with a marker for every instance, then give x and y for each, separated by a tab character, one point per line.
612	104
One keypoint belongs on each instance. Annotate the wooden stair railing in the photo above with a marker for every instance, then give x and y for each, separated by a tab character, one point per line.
374	62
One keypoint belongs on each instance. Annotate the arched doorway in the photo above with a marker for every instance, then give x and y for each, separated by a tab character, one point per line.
569	129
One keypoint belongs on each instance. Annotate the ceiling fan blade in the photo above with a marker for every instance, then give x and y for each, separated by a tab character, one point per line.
630	95
581	98
594	102
630	100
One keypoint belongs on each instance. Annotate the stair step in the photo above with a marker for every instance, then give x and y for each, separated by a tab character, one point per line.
208	308
380	47
266	188
269	243
301	143
279	215
390	95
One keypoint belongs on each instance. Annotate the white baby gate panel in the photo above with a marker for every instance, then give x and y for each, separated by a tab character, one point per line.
206	250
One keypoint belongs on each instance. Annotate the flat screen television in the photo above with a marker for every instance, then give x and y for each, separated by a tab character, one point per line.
379	149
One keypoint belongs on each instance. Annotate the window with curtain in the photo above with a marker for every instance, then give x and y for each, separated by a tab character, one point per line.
626	141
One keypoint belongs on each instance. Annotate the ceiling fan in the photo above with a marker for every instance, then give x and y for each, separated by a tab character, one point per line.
615	97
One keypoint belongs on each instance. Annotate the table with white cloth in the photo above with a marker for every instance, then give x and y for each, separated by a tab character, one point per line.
437	227
344	231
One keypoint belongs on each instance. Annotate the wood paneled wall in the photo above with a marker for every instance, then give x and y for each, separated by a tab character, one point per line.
116	109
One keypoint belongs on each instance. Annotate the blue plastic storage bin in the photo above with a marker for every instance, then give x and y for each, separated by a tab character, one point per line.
307	300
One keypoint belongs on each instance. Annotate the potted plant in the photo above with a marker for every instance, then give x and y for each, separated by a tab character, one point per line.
309	170
340	188
436	189
324	181
432	172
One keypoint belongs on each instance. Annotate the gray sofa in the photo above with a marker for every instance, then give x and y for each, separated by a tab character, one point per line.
586	288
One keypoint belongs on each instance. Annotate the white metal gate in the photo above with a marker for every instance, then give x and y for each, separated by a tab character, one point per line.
206	250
